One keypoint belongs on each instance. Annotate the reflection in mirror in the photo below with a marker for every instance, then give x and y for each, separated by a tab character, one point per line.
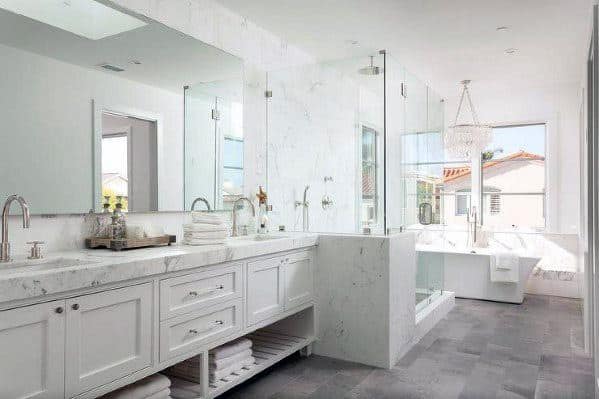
93	102
214	143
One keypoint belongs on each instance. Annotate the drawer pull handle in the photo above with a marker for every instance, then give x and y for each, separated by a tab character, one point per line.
206	291
194	331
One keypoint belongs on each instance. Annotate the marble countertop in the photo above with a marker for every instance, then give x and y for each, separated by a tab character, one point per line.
66	271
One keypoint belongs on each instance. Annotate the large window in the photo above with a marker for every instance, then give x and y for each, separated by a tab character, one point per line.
512	187
513	177
369	177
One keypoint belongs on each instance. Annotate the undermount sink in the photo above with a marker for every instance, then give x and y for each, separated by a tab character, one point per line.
43	264
261	237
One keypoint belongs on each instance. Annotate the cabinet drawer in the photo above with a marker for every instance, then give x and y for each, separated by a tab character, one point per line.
187	332
181	295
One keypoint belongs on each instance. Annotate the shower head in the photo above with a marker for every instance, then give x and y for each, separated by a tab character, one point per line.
370	70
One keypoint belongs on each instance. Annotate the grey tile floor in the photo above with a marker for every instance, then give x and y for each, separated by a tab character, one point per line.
480	350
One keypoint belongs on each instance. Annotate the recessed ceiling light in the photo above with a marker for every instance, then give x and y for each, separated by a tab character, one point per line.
502	28
511	50
86	18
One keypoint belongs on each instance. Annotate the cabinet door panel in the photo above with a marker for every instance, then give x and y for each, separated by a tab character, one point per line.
264	289
109	336
32	351
299	279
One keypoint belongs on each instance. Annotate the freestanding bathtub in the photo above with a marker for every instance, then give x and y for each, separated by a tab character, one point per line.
466	272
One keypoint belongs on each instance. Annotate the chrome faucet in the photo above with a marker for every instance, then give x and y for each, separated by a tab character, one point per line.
200	199
239	201
472	220
5	249
305	211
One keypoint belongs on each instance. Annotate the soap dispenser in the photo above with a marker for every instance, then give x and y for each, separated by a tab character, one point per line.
262	211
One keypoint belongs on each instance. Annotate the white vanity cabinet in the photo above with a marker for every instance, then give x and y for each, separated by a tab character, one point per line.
279	284
32	351
265	289
299	279
108	336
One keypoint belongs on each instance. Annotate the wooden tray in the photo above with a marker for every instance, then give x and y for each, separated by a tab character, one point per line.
129	243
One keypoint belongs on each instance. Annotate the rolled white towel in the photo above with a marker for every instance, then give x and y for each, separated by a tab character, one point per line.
219	374
220	364
231	348
142	389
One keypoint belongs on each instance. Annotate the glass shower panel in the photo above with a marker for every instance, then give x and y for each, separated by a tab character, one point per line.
200	145
325	139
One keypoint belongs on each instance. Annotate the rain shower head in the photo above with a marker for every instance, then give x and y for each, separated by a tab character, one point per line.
370	70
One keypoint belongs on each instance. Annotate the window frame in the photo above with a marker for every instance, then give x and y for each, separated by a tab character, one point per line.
500	194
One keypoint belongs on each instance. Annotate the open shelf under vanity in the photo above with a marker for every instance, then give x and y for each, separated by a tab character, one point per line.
270	345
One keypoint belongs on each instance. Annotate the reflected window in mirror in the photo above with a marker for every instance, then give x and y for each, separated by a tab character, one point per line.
369	176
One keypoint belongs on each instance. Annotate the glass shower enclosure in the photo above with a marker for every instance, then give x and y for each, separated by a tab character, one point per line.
341	152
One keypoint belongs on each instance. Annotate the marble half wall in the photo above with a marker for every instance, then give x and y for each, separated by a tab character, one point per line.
365	289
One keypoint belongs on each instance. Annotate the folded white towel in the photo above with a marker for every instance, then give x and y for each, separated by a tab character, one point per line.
231	348
204	227
206	234
218	374
183	389
504	267
142	389
164	394
220	364
206	217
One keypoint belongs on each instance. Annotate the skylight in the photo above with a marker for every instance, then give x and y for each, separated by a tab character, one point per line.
86	18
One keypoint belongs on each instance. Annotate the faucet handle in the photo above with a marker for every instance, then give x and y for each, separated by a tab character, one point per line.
36	249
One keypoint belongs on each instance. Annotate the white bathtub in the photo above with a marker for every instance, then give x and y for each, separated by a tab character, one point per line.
466	272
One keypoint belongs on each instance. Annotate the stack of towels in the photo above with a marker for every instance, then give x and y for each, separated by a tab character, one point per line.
156	386
230	358
207	229
189	370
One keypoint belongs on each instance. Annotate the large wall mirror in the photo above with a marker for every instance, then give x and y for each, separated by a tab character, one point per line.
100	106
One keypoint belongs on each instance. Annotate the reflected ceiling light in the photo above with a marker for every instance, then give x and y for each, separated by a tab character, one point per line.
86	18
464	139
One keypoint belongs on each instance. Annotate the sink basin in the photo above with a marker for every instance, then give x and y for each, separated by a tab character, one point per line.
42	264
260	237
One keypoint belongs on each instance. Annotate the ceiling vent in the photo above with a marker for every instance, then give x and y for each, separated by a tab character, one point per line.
112	68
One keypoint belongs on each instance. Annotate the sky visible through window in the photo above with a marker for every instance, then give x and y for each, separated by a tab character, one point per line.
529	138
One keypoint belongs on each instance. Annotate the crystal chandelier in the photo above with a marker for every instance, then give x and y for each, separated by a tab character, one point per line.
464	139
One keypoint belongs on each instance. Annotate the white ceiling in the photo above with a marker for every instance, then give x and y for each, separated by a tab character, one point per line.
169	59
441	41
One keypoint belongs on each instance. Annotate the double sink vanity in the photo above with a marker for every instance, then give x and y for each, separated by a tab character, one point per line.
80	324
